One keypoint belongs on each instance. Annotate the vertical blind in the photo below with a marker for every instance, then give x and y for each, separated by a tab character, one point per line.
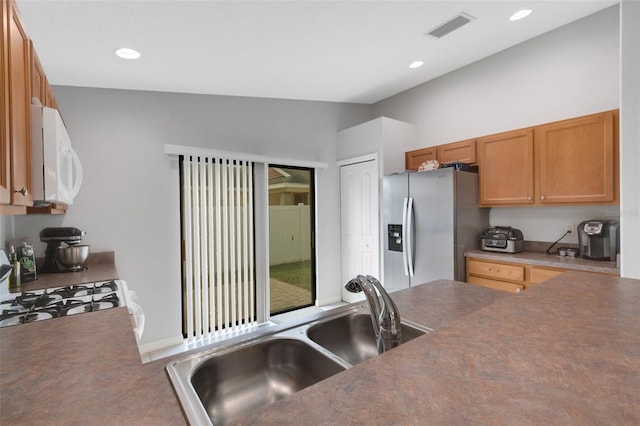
218	246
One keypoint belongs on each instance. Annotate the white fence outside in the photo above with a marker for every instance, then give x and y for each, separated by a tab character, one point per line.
290	234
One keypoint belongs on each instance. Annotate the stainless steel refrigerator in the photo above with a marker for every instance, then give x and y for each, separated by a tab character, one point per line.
429	220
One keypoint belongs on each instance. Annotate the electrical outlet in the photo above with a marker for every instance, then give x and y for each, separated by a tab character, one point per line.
569	228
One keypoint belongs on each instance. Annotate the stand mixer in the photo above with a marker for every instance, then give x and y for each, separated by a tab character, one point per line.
55	237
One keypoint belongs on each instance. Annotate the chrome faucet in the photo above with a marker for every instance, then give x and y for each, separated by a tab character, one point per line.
384	317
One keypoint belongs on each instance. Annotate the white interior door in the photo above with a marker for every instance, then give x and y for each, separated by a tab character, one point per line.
359	223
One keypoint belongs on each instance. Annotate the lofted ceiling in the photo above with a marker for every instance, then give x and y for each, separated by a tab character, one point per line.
342	51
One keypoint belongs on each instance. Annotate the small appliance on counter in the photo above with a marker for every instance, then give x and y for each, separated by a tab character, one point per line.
64	252
27	260
504	239
599	239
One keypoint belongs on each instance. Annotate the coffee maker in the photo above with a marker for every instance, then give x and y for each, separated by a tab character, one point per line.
55	237
599	239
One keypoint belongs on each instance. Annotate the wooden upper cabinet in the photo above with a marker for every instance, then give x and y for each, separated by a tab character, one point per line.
576	160
19	108
49	99
413	159
505	163
5	151
40	87
463	151
38	78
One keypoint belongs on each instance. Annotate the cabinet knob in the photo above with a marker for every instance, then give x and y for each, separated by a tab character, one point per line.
529	198
24	191
542	197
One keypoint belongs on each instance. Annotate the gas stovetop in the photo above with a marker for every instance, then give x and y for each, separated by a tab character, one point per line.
58	302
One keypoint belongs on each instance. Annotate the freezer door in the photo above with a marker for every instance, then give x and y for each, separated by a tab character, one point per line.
434	227
394	193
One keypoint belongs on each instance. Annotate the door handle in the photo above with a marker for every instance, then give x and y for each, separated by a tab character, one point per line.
405	263
409	239
75	188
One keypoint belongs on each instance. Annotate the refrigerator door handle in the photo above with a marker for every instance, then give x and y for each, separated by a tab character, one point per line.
409	237
405	264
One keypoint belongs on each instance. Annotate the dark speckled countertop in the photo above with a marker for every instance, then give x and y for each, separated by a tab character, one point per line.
564	352
81	370
100	267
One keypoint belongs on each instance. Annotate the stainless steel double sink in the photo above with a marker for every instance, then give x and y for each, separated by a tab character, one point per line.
249	372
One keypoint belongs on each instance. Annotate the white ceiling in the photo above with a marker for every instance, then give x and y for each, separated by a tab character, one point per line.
343	51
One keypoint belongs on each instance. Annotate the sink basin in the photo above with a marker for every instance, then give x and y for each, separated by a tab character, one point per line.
244	379
351	336
231	380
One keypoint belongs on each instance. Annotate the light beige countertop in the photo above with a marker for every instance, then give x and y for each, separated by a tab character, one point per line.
548	260
564	352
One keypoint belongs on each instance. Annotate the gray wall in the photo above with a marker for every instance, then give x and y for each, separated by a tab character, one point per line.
568	72
630	138
129	202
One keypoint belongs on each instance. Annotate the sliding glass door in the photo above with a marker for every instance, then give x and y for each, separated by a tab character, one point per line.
291	238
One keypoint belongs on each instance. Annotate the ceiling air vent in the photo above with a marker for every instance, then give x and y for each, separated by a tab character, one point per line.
451	25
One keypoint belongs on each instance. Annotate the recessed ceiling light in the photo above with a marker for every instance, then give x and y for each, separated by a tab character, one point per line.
127	53
416	64
520	14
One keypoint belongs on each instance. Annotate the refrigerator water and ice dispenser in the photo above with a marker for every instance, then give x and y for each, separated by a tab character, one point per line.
394	234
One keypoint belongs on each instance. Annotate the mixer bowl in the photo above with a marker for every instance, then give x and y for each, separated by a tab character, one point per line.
72	257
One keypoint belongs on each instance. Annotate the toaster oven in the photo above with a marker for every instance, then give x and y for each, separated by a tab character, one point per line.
504	239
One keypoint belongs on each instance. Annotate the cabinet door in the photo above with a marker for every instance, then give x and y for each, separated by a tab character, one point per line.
500	271
463	151
50	100
576	160
497	285
505	168
538	275
19	109
38	78
5	152
413	159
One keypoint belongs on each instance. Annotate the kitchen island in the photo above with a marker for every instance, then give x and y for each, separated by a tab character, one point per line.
564	352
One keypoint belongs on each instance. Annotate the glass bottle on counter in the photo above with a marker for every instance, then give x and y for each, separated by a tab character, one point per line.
14	278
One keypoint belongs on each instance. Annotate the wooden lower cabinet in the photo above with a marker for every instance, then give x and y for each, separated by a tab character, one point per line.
506	276
538	274
501	276
498	285
511	277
